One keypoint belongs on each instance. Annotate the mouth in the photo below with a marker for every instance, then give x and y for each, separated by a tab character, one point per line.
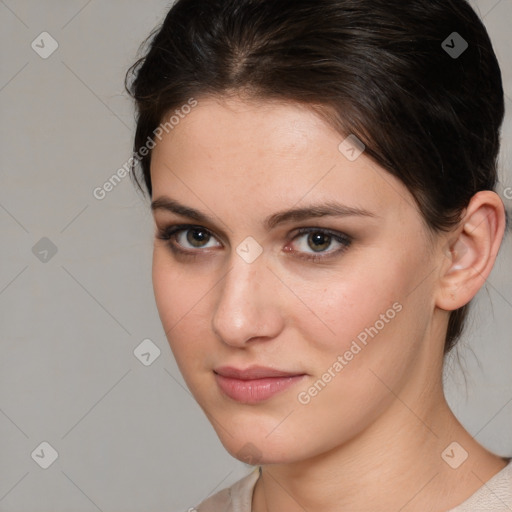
255	384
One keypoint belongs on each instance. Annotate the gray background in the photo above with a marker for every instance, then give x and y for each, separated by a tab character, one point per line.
130	437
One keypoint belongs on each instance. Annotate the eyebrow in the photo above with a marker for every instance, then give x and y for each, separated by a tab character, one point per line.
329	209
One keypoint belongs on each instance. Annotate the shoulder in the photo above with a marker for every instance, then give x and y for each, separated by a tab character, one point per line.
237	498
495	495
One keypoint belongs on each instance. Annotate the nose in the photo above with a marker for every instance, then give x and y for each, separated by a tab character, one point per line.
248	304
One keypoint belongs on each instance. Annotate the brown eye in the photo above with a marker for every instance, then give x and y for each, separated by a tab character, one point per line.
188	238
319	241
317	244
196	237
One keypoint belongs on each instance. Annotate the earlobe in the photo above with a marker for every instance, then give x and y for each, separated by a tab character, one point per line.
471	251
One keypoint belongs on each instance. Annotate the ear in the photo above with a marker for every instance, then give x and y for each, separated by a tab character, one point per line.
471	251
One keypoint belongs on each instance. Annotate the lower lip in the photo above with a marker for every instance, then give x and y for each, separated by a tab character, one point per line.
256	390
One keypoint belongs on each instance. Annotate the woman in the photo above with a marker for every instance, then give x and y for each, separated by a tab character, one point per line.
322	177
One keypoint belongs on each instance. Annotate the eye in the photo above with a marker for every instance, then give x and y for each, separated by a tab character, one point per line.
314	242
186	238
198	238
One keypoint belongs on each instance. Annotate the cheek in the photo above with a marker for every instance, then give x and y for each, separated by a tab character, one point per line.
344	304
374	315
181	297
170	294
373	349
178	288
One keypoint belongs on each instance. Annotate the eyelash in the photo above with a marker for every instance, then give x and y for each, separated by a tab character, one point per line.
168	234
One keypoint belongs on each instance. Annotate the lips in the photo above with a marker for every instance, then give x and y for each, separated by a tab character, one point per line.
255	384
253	372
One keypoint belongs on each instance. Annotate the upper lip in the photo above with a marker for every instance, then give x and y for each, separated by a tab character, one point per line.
253	372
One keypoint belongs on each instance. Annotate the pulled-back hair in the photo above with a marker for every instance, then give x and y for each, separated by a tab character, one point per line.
387	71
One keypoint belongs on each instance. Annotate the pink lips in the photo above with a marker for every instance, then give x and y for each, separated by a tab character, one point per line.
253	384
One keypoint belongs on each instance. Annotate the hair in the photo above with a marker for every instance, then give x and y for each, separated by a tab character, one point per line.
377	69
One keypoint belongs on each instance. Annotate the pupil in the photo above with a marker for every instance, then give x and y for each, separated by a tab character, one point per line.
320	241
195	237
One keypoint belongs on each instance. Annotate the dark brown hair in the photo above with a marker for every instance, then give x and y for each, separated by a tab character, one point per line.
380	69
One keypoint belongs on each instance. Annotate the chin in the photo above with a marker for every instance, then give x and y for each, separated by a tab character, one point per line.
258	453
256	447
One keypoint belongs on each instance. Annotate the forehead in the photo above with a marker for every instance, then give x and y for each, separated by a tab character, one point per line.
268	127
263	152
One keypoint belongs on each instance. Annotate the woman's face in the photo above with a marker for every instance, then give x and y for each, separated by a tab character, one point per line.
239	288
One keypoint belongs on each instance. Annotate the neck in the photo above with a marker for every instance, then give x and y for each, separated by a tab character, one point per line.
395	464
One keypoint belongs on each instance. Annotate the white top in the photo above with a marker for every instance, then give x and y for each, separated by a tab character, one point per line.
494	496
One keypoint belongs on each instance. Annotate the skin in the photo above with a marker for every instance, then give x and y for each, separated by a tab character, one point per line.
382	422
